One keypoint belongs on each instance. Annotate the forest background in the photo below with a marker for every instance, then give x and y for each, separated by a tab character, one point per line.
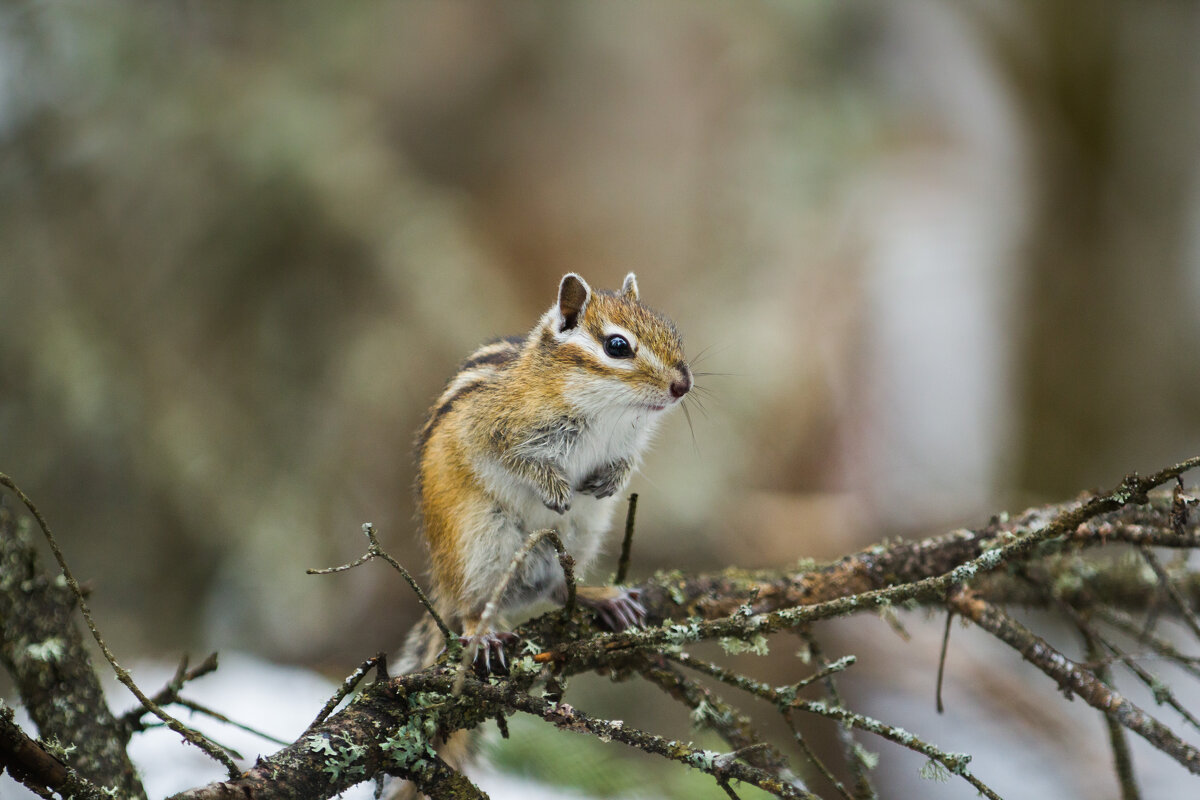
946	256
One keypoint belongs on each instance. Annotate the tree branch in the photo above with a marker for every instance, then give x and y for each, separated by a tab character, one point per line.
1035	558
43	650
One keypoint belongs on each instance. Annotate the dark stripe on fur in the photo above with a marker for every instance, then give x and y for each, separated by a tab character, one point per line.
442	411
497	357
584	360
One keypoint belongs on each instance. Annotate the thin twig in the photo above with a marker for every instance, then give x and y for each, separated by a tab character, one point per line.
192	705
1070	675
724	784
492	610
954	762
802	743
374	550
348	685
1172	590
786	700
851	750
627	542
719	765
1122	759
813	759
170	693
1161	691
941	709
711	711
1125	624
754	687
193	736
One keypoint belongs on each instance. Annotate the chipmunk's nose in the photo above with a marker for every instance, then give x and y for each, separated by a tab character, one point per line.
683	383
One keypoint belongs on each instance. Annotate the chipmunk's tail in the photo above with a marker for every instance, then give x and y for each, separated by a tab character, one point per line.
421	649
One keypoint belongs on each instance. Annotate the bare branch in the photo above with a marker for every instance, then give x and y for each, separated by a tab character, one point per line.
374	550
210	747
43	649
627	541
30	763
1073	677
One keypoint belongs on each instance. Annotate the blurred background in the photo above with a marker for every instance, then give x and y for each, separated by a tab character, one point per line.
944	255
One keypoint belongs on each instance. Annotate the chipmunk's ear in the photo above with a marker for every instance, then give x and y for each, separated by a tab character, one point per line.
573	296
629	287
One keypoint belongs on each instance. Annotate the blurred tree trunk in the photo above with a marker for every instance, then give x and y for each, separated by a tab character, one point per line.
1107	92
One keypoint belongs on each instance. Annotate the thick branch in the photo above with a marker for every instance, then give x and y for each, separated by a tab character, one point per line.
729	604
43	650
717	595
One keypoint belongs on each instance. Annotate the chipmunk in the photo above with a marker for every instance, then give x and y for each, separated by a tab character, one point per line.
541	432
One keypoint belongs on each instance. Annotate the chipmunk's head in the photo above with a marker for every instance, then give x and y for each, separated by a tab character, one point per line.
619	351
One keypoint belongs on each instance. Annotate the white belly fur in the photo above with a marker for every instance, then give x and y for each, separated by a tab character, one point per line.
516	511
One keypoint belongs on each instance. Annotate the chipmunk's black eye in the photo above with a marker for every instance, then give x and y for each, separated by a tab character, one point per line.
617	346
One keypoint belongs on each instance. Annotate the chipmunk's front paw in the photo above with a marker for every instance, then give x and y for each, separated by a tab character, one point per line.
558	498
605	481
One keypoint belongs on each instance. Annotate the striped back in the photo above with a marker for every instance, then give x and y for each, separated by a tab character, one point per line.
488	361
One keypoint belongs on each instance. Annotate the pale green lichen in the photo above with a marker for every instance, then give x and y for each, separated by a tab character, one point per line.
320	744
680	633
409	745
57	749
523	666
991	559
701	713
702	759
868	759
963	573
49	651
705	714
339	758
934	771
756	645
785	695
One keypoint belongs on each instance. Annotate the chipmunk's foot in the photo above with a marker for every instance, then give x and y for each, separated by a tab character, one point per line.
622	611
490	658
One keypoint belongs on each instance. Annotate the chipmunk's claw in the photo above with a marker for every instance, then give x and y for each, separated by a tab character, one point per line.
622	612
489	658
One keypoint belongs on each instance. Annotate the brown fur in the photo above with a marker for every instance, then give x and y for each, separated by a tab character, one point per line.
507	405
519	390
